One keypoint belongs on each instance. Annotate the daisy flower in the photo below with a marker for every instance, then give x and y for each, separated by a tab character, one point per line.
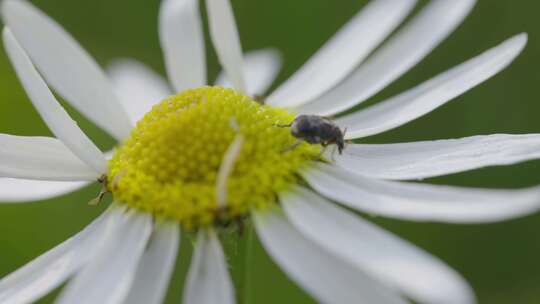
207	158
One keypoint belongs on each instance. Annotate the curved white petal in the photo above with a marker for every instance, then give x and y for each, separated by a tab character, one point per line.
14	190
260	67
156	266
182	41
342	53
208	279
423	159
401	265
48	271
106	279
137	86
66	66
422	202
224	35
56	118
433	93
43	158
405	49
328	279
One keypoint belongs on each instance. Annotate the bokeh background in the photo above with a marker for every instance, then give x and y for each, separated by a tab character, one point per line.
501	261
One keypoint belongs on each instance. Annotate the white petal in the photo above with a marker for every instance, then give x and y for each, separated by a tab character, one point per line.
208	279
66	66
48	271
324	276
13	190
108	276
156	266
404	50
226	41
41	158
56	118
137	86
433	93
260	67
414	272
417	160
422	202
225	169
182	41
343	52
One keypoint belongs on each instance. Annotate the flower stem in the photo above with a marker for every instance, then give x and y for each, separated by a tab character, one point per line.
248	262
242	259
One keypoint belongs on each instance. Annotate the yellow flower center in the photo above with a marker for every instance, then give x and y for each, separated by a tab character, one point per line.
169	165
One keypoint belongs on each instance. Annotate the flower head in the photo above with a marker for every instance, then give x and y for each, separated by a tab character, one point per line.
207	156
170	163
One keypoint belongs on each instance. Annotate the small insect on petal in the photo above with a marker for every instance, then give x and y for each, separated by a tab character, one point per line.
315	129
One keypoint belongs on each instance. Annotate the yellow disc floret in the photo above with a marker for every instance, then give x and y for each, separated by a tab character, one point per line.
169	164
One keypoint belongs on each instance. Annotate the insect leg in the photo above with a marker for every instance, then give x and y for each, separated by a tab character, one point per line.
293	146
333	156
323	150
103	181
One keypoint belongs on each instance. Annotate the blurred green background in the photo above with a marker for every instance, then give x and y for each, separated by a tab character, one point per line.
501	261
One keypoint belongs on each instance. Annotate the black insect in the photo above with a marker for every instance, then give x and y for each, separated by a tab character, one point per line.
317	130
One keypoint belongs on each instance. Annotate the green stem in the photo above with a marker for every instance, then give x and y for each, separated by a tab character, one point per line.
243	259
248	262
239	250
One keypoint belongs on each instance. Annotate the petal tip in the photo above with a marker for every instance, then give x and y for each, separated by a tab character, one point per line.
522	38
518	42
